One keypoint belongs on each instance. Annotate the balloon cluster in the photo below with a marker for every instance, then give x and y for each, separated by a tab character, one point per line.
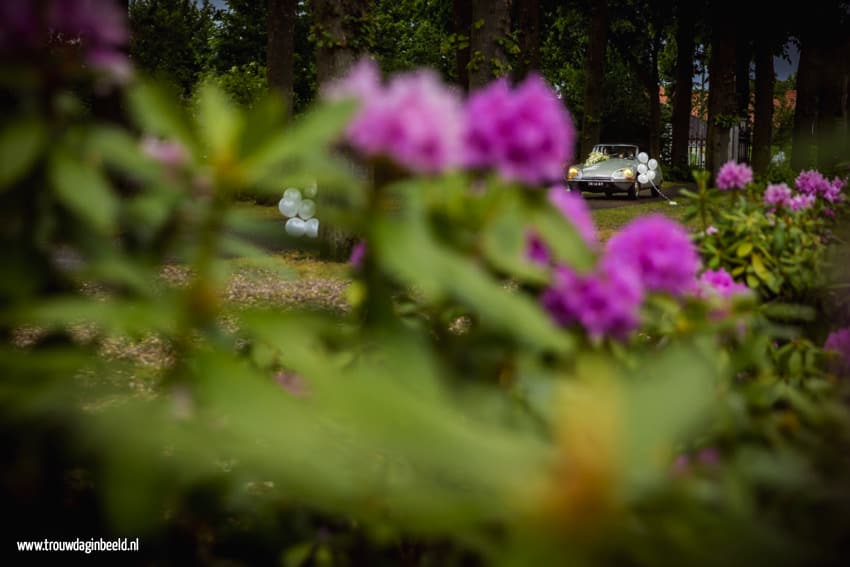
300	212
646	168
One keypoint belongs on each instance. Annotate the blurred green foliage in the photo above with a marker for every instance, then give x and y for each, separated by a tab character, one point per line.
445	419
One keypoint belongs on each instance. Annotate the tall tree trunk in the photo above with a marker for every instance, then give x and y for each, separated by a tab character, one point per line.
528	24
805	112
831	127
594	70
280	51
763	120
491	24
743	56
339	21
462	25
722	111
684	83
653	88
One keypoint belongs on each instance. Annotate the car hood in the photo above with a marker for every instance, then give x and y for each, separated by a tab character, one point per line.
607	167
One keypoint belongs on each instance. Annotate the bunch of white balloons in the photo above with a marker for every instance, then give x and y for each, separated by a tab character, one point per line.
300	212
646	168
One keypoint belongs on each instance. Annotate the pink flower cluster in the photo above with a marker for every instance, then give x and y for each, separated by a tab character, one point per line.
649	254
778	195
525	133
99	26
801	202
839	342
812	182
605	302
734	175
719	282
414	119
660	251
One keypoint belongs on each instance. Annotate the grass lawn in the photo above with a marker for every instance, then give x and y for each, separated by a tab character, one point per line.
319	277
609	221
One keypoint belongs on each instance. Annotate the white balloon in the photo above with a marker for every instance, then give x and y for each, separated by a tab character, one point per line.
311	190
642	157
651	174
653	164
312	227
292	194
295	227
306	209
641	168
288	207
643	179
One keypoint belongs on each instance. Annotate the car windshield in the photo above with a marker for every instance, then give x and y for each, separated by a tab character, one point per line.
617	151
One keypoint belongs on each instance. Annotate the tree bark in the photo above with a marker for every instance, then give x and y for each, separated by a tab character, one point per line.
653	89
339	23
280	52
594	70
805	112
684	84
462	24
763	119
528	24
722	111
491	24
831	127
743	56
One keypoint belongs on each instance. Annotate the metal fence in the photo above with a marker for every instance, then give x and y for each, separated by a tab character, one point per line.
740	143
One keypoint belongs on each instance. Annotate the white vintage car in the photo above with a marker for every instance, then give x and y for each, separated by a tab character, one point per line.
616	168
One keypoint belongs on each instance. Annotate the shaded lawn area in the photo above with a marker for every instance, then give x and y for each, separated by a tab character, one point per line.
609	221
315	283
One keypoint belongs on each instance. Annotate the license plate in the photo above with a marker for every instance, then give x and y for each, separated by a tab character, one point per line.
596	183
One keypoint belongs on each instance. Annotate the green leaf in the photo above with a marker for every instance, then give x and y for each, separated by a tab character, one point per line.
121	151
409	252
563	238
504	244
21	142
744	249
218	120
157	111
84	191
311	134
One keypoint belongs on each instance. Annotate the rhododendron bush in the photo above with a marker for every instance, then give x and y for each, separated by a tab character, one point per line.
504	387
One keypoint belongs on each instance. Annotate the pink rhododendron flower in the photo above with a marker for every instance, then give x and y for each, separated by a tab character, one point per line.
778	195
536	250
659	250
734	175
415	119
575	210
839	342
719	282
800	202
811	182
711	229
833	192
169	153
97	27
362	82
605	303
358	254
525	133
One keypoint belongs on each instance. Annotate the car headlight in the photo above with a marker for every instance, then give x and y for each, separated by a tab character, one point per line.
624	173
573	173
